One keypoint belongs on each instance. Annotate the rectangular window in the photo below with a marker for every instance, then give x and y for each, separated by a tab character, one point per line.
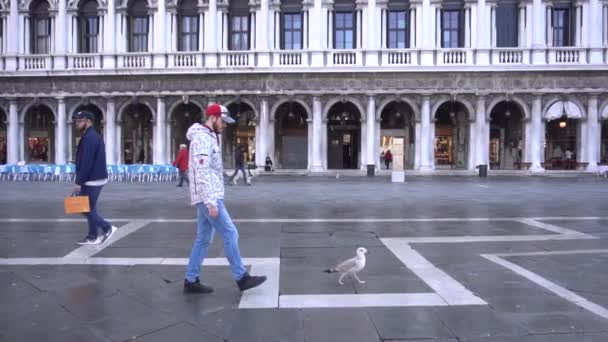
344	30
89	28
239	32
562	35
452	29
42	35
292	31
507	25
189	33
139	34
398	30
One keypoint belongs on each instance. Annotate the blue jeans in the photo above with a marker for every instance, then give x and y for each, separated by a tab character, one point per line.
205	229
95	220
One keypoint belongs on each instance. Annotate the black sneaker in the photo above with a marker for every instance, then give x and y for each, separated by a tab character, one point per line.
89	241
196	287
248	282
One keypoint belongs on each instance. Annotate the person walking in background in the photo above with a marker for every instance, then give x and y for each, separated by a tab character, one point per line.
181	162
388	158
239	165
207	194
91	176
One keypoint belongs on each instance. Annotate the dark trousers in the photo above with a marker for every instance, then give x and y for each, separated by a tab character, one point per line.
94	219
183	176
237	169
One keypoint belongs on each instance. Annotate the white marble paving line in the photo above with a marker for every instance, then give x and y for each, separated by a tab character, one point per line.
564	252
360	300
132	261
550	227
88	251
317	220
267	294
445	286
551	286
493	238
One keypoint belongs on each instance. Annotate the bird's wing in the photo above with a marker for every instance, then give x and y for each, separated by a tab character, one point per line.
346	265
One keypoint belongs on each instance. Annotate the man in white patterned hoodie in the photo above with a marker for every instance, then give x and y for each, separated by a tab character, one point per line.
207	194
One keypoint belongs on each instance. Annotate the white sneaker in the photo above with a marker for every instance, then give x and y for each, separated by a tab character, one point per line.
108	235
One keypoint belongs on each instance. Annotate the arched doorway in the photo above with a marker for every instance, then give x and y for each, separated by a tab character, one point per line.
561	141
291	136
39	134
343	136
137	130
241	133
451	136
506	136
3	150
97	124
397	121
182	117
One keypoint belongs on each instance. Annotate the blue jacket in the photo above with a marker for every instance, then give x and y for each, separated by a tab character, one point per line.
90	158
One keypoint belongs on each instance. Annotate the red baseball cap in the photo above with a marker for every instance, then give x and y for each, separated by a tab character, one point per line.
220	111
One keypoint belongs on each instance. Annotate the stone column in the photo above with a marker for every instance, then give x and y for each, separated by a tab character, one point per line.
549	23
110	36
485	30
521	31
13	133
426	136
483	132
594	133
110	141
316	33
262	140
211	35
262	35
60	137
536	135
371	136
13	39
60	34
594	22
538	32
160	33
159	132
427	26
372	42
317	135
579	40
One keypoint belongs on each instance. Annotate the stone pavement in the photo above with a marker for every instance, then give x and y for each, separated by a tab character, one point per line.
451	259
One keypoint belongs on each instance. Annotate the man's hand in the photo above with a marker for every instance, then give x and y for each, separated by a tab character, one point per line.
77	188
213	212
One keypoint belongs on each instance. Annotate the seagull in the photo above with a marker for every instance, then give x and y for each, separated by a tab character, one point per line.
350	266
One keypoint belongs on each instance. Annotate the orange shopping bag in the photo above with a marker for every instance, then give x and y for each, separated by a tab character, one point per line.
76	204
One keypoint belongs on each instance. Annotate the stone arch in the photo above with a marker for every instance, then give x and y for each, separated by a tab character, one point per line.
84	102
444	99
124	106
276	106
26	4
520	102
37	102
75	4
554	108
174	106
410	102
352	100
247	102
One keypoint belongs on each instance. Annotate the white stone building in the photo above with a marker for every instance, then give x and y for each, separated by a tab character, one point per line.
314	84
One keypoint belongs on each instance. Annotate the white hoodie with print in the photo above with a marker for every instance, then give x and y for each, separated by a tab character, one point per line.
205	169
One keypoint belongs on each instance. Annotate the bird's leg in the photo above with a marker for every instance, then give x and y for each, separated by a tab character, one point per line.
340	280
359	280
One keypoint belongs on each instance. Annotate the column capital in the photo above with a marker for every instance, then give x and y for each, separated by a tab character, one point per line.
60	99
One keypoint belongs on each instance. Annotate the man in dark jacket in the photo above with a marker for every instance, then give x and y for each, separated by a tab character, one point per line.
91	176
239	165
